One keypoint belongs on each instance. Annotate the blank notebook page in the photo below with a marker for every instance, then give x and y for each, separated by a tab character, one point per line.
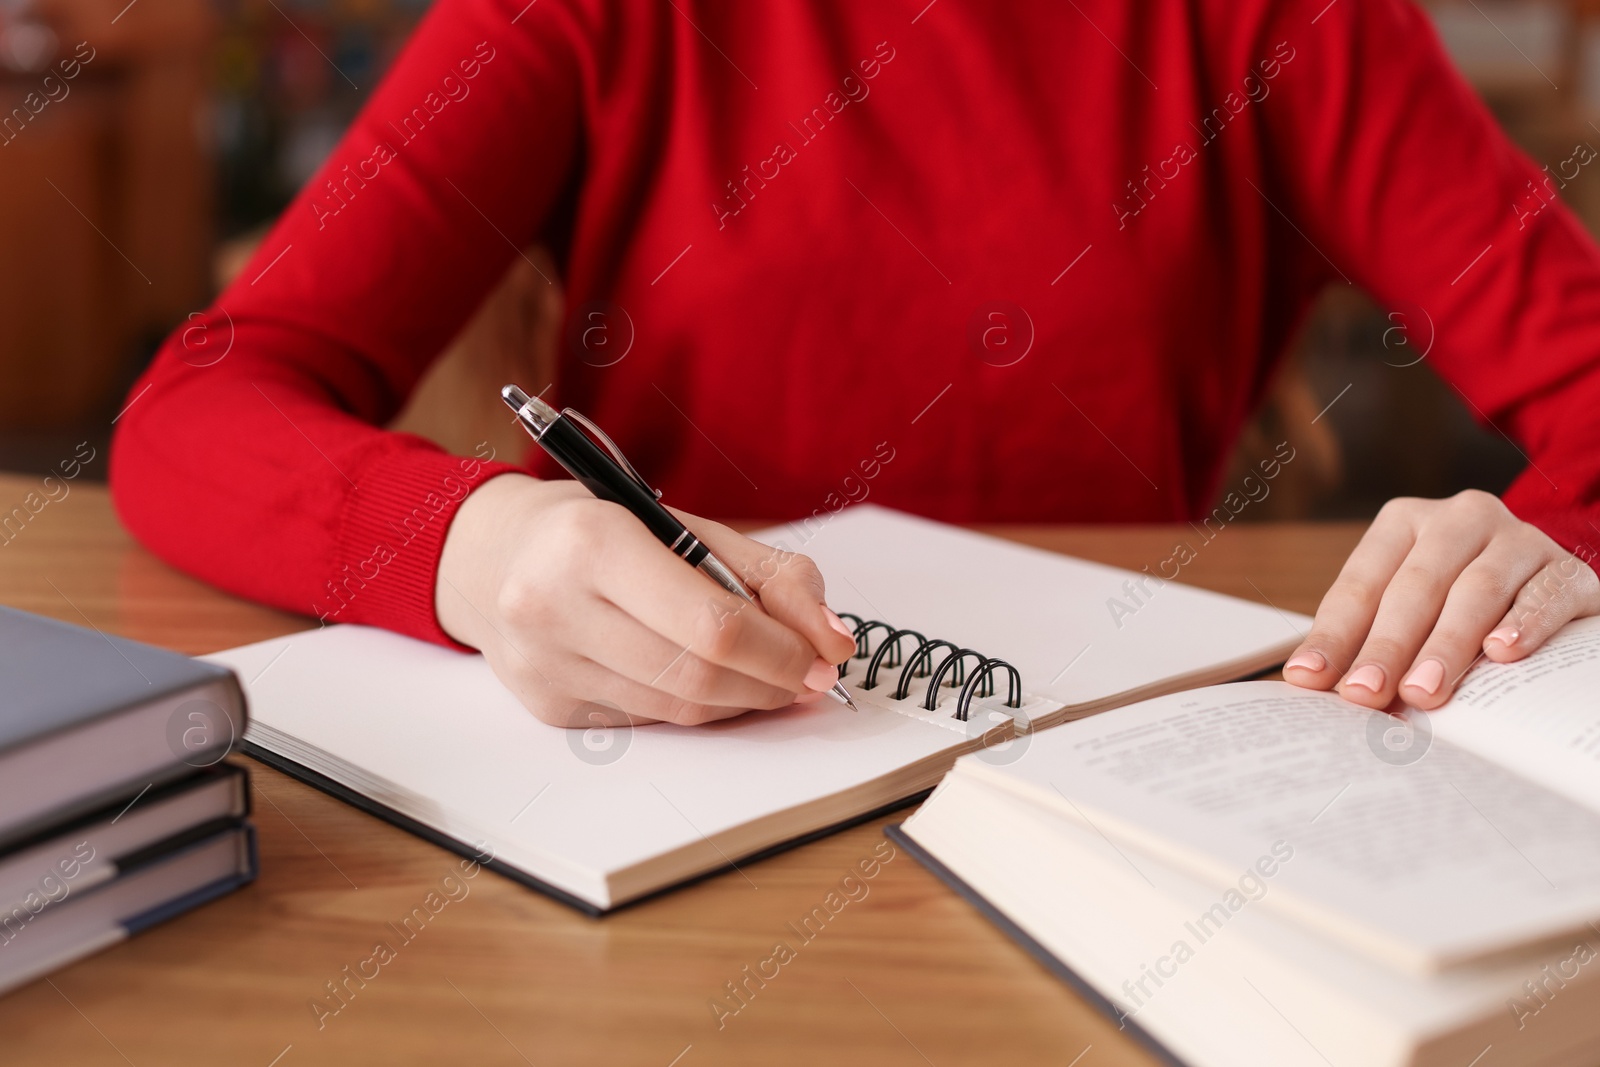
1044	613
425	721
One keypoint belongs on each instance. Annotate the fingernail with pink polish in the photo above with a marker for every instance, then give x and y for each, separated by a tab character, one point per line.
837	623
1506	635
1309	660
1426	676
821	676
1369	677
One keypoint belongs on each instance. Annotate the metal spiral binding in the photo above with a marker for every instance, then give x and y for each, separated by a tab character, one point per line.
920	664
889	650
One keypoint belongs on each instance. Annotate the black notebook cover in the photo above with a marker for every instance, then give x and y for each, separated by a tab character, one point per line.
445	841
1033	948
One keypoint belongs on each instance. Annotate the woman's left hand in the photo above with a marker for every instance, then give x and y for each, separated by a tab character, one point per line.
1434	585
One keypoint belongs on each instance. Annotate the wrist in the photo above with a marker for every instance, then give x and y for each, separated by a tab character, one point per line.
491	524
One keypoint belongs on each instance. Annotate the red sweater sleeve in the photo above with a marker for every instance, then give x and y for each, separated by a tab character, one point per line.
1392	168
250	454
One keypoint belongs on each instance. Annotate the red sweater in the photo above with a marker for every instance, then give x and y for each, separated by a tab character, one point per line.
985	262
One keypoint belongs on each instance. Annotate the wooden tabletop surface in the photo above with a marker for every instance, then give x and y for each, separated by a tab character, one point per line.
908	974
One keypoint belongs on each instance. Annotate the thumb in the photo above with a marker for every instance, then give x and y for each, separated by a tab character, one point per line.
789	586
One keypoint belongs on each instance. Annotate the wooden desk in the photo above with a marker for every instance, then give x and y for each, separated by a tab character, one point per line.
909	974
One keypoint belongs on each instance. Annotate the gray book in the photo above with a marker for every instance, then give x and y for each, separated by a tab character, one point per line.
86	717
155	885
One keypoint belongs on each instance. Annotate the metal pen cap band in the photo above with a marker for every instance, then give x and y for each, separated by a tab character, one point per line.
535	413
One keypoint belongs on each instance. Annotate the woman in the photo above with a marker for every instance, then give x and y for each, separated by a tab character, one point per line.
811	218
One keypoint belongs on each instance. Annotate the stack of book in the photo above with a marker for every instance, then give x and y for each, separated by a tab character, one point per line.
116	810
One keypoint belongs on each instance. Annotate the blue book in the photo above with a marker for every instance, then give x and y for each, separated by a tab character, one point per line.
61	923
88	717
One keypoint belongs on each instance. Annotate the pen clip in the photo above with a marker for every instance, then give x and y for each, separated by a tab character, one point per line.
611	446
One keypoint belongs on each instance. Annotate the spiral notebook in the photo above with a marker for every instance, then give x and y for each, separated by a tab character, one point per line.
964	643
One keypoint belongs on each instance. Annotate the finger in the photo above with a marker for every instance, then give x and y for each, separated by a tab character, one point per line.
790	587
1408	611
617	641
602	686
1562	590
1478	597
1351	603
645	580
650	703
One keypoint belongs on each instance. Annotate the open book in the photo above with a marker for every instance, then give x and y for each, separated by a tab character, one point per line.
429	738
1257	874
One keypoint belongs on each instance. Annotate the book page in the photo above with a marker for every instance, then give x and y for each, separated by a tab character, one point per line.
1429	861
1216	982
1539	716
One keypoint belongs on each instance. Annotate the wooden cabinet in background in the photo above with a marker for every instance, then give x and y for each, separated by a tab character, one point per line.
106	204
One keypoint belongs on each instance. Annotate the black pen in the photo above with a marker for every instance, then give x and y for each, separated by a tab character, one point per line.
606	473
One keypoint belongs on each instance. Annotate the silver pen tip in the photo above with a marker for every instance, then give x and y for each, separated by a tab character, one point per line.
514	397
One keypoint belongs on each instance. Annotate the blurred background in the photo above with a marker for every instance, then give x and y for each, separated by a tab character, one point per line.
190	127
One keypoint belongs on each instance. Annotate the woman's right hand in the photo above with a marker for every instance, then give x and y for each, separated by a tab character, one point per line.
580	610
